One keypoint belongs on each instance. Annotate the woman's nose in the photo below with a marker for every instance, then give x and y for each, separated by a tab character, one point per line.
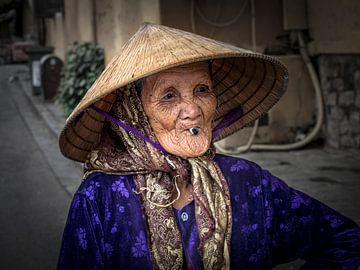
190	110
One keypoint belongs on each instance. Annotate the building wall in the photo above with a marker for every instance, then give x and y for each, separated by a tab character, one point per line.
55	35
334	26
333	31
28	20
71	27
291	117
75	25
111	24
293	113
340	81
105	26
117	21
85	21
63	29
268	15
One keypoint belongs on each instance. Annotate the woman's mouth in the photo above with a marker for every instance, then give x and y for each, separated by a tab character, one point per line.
194	130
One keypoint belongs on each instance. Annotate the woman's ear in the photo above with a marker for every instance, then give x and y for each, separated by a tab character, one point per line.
139	86
209	62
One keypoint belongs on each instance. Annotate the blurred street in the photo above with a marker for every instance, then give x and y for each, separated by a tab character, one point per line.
38	183
34	202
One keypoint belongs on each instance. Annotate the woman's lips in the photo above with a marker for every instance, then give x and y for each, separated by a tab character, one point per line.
194	130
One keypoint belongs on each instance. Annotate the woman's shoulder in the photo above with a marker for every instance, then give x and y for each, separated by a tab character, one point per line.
247	175
234	165
100	184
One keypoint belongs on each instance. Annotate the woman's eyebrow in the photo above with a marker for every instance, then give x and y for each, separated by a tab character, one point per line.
165	84
160	83
204	78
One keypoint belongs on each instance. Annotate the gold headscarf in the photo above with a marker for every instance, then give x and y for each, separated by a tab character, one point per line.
123	153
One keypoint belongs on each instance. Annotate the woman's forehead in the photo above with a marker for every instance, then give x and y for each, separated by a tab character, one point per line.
194	71
198	66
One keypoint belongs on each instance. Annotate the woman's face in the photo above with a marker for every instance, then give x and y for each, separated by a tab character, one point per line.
180	104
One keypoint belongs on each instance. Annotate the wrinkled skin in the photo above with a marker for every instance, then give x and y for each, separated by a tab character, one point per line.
176	100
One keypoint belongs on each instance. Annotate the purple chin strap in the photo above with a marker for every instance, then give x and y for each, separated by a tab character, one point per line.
128	128
229	119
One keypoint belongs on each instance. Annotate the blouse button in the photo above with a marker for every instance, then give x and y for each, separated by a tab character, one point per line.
184	216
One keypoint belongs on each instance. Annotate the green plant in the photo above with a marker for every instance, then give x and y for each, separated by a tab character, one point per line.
84	63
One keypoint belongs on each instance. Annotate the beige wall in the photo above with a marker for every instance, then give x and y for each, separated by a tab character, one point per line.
55	34
105	26
269	23
114	23
71	21
334	26
75	25
62	29
117	21
85	21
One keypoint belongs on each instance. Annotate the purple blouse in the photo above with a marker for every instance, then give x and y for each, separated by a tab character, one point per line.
272	224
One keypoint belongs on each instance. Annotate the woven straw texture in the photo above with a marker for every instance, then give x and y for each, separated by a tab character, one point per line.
240	78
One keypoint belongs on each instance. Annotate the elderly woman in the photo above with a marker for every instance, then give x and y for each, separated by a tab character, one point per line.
156	196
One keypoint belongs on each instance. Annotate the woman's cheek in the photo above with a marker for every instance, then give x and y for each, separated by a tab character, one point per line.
209	108
158	116
161	125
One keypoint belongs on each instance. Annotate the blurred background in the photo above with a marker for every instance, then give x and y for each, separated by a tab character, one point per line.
52	51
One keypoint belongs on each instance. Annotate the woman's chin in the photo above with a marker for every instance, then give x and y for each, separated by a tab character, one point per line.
189	146
193	153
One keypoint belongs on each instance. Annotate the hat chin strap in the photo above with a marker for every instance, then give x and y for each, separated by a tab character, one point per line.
231	117
128	128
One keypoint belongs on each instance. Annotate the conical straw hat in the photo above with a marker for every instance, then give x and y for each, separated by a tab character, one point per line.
241	79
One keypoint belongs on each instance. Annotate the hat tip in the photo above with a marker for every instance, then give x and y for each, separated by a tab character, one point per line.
146	24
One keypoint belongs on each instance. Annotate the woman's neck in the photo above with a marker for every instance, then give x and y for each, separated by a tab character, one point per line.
186	195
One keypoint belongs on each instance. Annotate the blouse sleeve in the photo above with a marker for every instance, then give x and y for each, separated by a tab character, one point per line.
303	227
82	244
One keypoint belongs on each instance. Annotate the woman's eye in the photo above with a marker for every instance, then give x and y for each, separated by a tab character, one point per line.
202	89
168	96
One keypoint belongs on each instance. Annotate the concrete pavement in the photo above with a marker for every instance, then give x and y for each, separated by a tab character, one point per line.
37	182
34	201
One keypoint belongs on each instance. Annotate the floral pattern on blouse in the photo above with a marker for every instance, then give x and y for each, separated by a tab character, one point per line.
139	248
272	224
119	186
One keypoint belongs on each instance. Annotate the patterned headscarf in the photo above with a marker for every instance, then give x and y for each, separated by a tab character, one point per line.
123	153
